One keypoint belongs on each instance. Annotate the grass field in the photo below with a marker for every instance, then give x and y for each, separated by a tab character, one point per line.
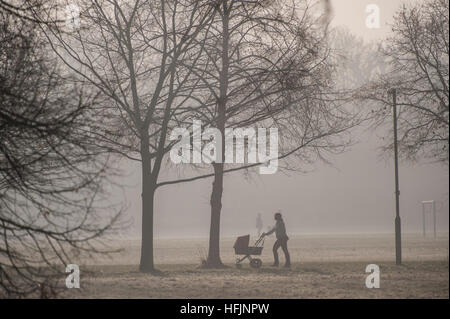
324	266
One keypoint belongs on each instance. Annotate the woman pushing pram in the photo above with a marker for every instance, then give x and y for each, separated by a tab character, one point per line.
282	239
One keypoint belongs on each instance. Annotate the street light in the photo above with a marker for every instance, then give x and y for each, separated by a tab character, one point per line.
398	233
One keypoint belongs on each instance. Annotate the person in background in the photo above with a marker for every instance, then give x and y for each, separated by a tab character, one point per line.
259	224
282	239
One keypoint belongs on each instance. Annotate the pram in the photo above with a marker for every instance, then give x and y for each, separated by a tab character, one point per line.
241	247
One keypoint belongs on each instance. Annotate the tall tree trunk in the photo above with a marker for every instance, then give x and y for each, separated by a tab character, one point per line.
216	208
148	196
217	189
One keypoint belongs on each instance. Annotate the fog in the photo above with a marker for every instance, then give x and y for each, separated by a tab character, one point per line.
174	149
355	194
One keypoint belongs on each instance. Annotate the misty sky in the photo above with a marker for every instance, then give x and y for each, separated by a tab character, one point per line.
356	194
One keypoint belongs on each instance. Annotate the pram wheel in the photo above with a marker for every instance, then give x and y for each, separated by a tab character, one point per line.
256	263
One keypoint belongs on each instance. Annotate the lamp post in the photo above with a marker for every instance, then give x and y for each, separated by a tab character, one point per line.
398	234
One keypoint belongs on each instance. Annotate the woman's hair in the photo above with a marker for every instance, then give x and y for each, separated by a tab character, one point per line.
278	215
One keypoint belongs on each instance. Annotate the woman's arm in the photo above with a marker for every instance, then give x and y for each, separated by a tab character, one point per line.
270	231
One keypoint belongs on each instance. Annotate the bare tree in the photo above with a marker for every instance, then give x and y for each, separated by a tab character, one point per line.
129	52
267	63
161	63
418	56
50	166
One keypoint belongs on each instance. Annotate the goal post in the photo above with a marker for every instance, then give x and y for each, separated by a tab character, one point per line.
433	211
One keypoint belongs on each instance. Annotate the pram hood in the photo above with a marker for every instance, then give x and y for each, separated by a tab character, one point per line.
242	242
